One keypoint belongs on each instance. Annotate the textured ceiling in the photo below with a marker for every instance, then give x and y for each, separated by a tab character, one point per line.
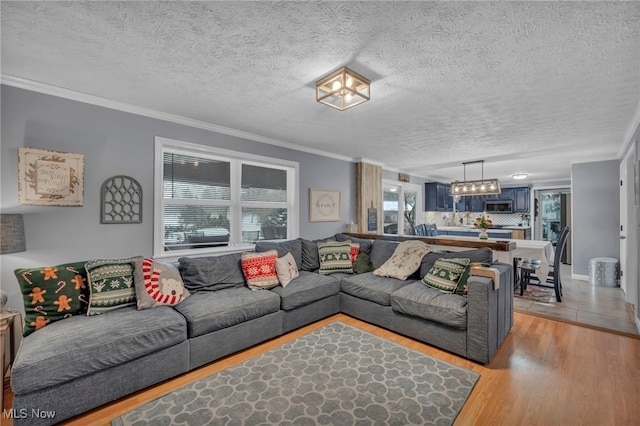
526	86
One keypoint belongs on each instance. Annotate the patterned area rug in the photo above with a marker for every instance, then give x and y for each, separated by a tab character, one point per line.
537	294
336	375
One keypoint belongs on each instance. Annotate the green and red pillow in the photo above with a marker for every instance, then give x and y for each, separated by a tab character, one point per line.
52	293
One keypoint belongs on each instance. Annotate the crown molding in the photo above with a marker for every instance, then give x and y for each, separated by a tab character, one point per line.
368	161
73	95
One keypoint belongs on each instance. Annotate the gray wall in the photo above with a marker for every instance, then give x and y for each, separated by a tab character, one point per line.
595	195
636	137
113	143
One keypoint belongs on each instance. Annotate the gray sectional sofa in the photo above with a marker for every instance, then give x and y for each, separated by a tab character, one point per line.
82	362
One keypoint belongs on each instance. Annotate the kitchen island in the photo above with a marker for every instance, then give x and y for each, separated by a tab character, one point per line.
504	250
471	231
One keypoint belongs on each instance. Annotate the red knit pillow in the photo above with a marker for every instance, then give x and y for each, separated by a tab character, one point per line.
260	269
355	249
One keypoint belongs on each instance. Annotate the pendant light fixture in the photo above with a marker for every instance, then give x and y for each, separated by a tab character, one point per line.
343	89
475	187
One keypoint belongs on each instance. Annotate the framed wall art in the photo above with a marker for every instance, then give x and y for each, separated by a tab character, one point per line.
324	205
50	178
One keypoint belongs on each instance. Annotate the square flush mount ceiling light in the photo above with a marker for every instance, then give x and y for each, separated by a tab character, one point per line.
343	89
475	187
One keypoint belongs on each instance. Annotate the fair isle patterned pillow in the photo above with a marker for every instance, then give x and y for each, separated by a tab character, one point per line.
404	261
260	269
446	274
335	256
110	284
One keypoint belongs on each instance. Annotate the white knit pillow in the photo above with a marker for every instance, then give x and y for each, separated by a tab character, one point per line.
404	261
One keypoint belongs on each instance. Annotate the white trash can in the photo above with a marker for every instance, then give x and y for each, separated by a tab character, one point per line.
603	271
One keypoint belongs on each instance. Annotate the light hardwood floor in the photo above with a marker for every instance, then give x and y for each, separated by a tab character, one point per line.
582	303
546	373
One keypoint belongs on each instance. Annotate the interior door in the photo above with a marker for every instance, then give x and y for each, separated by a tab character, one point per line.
623	224
628	237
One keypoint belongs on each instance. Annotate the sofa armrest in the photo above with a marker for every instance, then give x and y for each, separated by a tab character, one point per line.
489	313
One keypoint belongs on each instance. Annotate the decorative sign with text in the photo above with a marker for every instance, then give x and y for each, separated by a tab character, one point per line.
324	205
50	178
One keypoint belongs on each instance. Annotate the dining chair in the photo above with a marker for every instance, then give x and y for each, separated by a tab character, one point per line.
528	267
430	230
418	230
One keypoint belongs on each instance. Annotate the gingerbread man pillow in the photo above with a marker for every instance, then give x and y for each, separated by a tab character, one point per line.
52	293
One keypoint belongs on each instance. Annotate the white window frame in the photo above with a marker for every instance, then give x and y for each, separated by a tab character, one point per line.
236	160
402	188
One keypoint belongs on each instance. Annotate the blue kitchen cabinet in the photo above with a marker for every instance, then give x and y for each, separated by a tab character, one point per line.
438	197
499	235
521	200
475	203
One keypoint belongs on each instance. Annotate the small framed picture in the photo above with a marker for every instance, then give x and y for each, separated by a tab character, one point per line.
324	205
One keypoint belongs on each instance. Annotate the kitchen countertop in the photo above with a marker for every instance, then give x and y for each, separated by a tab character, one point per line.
470	228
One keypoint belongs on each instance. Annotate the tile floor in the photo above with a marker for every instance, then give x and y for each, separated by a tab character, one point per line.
583	303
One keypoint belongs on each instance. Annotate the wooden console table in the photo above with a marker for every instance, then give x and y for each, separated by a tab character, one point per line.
449	242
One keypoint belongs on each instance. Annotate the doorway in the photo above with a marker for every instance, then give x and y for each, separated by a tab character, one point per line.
552	212
402	207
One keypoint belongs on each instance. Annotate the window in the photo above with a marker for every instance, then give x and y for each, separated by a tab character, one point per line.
402	207
209	199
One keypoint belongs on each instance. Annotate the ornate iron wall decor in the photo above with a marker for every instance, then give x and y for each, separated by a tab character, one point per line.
121	200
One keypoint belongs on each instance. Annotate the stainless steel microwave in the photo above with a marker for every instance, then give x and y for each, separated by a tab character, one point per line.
498	206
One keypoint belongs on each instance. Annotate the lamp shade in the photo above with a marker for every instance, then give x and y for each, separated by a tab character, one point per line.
12	234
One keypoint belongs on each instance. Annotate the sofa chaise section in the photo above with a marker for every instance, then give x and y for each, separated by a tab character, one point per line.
115	353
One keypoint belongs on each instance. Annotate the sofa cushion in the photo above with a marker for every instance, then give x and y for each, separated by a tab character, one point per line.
292	246
157	284
211	273
82	345
307	288
46	299
365	245
373	288
482	255
381	251
210	311
448	274
404	261
110	284
335	257
310	257
420	301
286	269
